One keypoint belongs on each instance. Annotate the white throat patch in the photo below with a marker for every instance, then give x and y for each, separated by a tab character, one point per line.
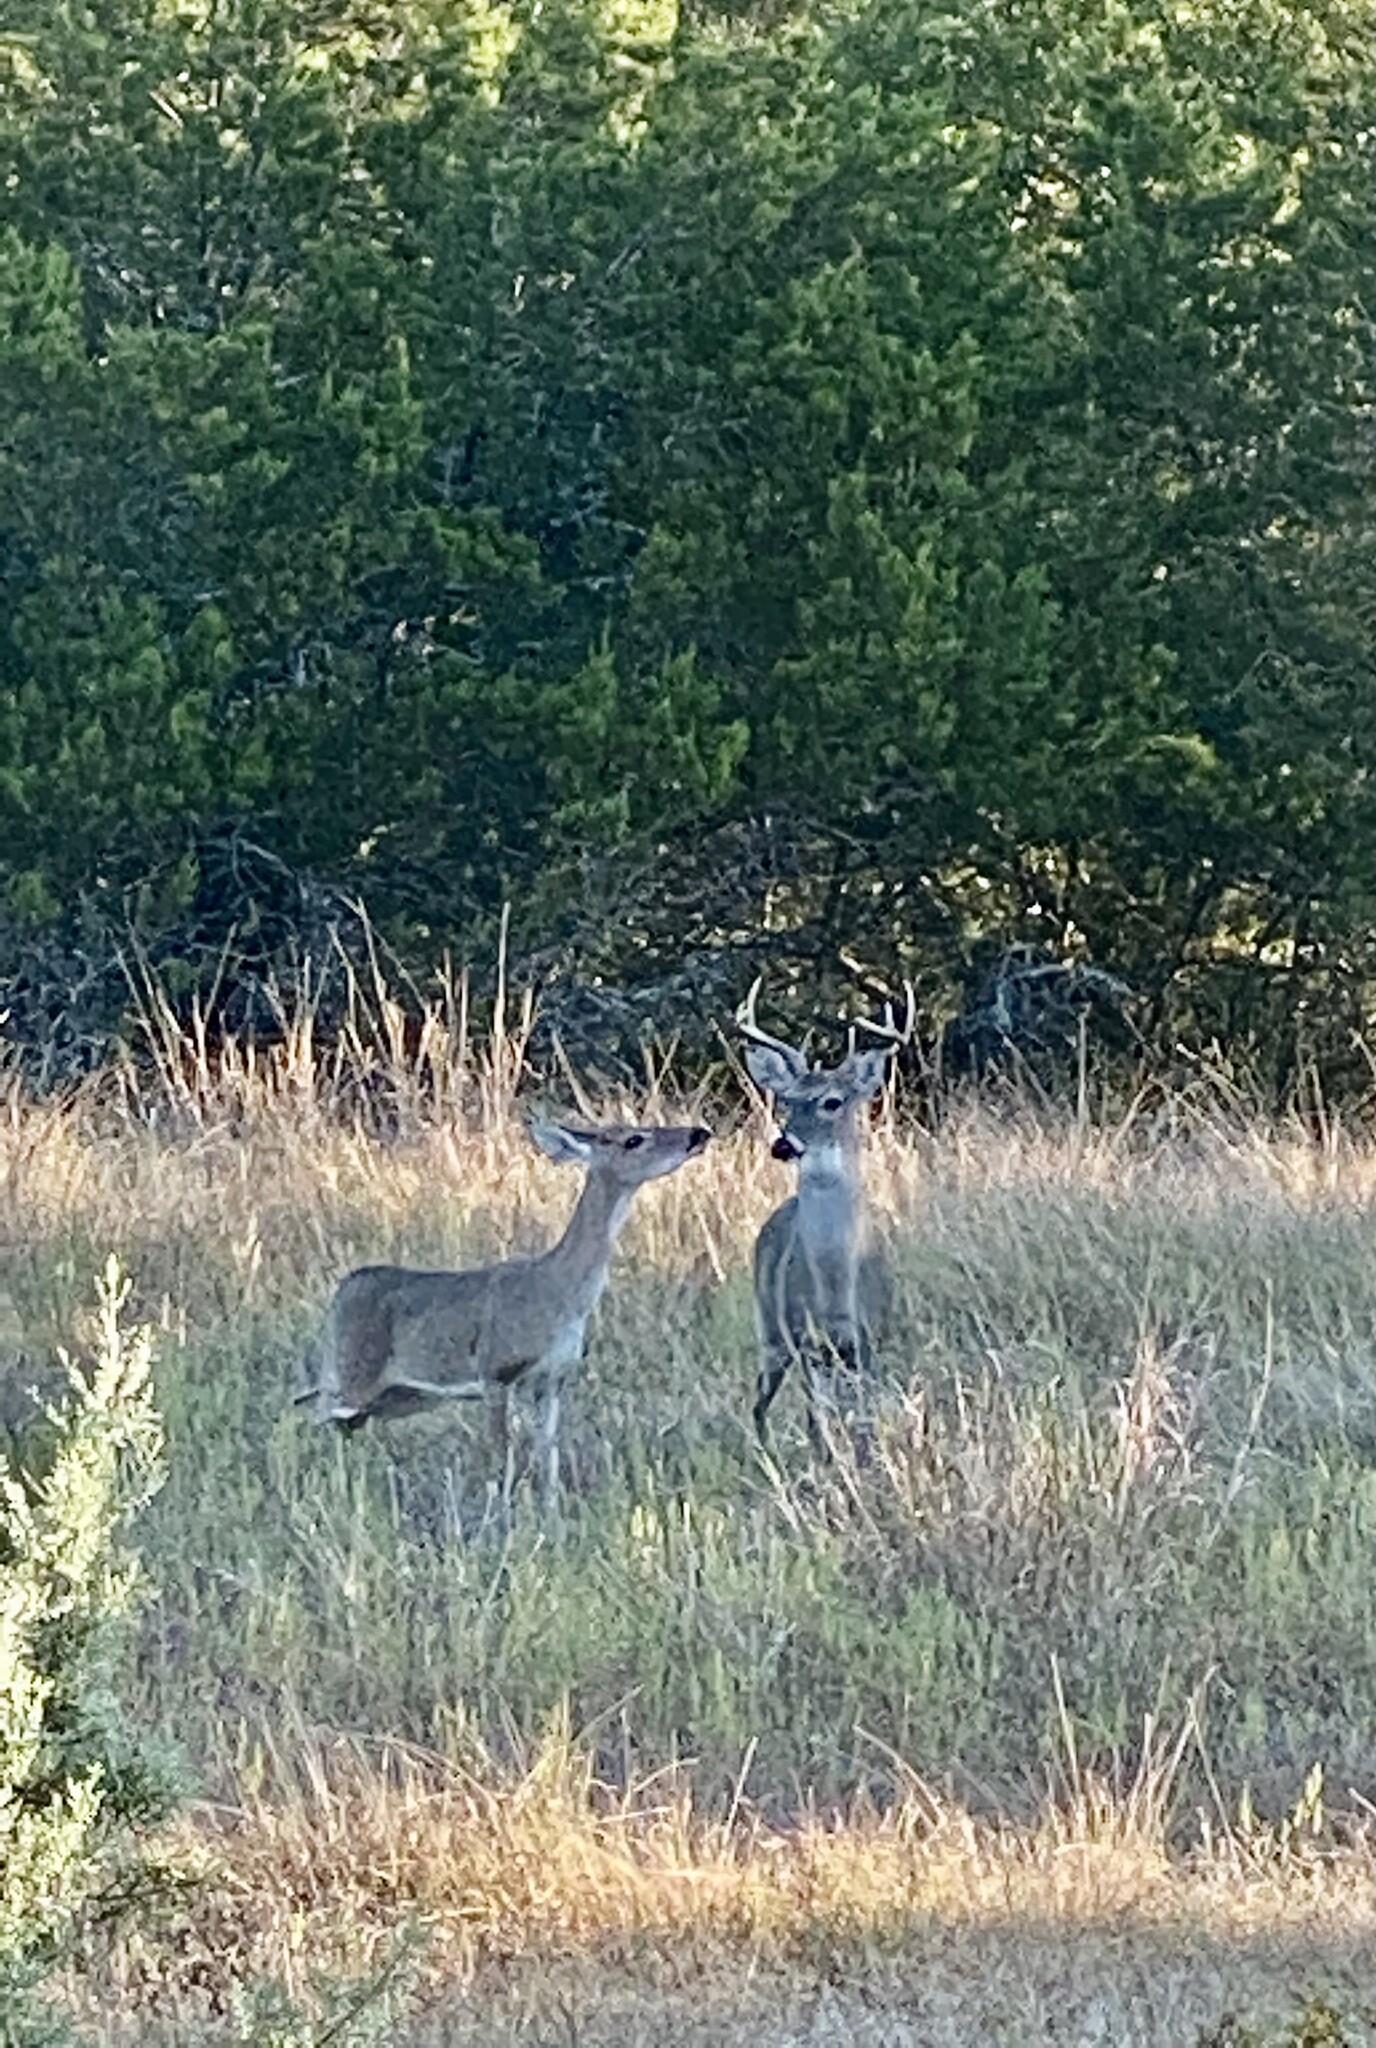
823	1162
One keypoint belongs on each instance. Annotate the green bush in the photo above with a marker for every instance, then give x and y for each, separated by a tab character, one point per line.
897	479
75	1780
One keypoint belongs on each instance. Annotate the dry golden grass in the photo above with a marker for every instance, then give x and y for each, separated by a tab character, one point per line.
1128	1480
548	1902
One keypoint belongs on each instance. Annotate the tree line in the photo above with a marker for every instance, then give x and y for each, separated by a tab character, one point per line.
847	488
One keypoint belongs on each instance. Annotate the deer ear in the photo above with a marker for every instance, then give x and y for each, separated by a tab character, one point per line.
557	1141
864	1073
769	1069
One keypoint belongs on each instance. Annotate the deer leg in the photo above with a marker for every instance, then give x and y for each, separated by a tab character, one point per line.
547	1440
499	1437
419	1393
851	1370
767	1385
837	1367
821	1404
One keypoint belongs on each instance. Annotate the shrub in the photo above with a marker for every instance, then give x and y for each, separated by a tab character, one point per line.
75	1780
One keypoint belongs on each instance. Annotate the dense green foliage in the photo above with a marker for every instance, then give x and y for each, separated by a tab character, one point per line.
889	478
73	1775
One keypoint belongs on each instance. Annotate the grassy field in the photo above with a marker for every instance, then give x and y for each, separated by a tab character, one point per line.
1057	1720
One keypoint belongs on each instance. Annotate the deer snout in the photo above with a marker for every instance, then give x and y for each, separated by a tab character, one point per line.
785	1147
698	1139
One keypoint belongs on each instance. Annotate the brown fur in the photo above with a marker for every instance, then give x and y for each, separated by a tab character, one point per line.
399	1340
823	1290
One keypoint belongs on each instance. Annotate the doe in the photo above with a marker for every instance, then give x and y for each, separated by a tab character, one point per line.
823	1289
397	1340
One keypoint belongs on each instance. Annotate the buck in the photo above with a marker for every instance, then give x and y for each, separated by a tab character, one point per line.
823	1290
397	1341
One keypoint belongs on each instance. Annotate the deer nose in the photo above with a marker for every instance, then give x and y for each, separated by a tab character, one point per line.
698	1137
785	1147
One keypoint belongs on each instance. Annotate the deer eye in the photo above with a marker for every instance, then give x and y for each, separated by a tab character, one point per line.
833	1102
635	1140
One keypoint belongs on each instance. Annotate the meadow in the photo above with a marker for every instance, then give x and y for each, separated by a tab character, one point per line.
1055	1719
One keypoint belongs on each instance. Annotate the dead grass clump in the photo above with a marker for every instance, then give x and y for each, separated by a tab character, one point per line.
343	1845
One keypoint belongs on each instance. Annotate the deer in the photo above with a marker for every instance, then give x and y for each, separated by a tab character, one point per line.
398	1340
823	1288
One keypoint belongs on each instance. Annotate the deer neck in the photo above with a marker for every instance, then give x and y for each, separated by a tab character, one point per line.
831	1196
833	1165
583	1253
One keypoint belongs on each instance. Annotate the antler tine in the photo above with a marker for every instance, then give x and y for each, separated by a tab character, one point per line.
748	1028
895	1034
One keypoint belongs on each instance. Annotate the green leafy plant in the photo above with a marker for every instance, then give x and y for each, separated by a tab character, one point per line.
75	1779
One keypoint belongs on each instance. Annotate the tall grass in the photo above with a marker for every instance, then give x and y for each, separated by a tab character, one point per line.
551	1901
1125	1480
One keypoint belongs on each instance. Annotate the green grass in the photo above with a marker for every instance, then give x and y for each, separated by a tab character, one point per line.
1104	1590
1129	1440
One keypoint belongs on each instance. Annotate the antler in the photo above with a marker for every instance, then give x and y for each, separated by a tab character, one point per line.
748	1028
894	1034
